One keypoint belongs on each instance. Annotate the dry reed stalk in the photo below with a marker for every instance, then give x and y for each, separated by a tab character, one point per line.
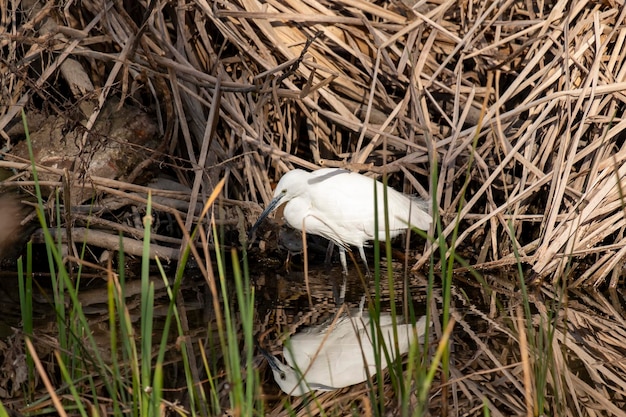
587	331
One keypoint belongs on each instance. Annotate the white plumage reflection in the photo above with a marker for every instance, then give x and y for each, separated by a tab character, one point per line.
339	205
340	354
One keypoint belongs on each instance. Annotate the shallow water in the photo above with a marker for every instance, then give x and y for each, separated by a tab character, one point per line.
287	302
299	299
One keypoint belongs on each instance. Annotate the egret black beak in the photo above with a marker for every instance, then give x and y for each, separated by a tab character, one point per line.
270	208
271	359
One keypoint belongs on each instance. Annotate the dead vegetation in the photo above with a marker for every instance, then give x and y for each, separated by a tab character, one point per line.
519	110
518	107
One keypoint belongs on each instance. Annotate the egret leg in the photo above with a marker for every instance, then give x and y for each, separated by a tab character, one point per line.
342	258
362	253
339	291
329	253
342	290
339	300
361	305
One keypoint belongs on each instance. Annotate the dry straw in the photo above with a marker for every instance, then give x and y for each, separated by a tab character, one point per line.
525	103
520	102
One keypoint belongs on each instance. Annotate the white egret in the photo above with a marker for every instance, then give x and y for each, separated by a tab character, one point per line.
339	205
329	357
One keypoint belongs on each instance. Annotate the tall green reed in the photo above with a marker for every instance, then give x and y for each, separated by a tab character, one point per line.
547	390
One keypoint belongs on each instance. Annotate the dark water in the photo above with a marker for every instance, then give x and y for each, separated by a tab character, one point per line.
285	303
286	298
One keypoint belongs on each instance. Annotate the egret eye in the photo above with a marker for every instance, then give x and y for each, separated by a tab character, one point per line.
282	376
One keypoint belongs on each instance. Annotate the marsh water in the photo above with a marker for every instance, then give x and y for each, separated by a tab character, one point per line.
282	297
287	300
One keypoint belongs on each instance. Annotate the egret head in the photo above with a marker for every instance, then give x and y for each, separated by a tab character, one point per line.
287	378
291	185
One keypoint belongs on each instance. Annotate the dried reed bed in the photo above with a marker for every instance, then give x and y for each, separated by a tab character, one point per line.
564	360
519	109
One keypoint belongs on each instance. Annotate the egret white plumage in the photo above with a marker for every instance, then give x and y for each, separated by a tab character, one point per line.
329	357
339	205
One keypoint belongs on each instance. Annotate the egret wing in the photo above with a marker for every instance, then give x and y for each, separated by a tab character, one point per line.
345	200
340	365
346	203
